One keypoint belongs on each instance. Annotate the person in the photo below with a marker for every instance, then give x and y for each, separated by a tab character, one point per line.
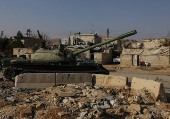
141	63
146	63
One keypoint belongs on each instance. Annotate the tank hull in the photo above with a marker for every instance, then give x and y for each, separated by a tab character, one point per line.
24	66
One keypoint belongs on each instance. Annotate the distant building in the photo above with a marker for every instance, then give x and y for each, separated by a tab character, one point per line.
155	51
30	42
116	44
65	41
23	52
128	43
56	41
105	57
84	39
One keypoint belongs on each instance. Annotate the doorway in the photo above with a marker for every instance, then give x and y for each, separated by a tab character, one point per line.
135	60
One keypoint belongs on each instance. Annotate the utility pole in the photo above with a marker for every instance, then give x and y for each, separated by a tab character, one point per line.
28	33
70	32
108	33
107	36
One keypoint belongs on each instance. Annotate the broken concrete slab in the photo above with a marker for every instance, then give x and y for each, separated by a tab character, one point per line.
157	88
109	80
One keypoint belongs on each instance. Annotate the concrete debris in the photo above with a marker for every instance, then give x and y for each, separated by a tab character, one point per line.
63	113
81	101
135	107
114	103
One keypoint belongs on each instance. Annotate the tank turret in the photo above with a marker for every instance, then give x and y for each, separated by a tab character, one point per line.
58	61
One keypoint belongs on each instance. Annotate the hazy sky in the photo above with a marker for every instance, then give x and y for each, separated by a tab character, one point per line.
151	18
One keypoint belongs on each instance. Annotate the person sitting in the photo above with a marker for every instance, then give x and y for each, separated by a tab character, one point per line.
141	63
146	63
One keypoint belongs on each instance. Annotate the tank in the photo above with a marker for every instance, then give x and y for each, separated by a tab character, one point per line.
56	61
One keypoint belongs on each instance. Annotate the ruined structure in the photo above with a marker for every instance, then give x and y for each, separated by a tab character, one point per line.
155	52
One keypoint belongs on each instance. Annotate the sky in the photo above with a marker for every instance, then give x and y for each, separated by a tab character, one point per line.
151	18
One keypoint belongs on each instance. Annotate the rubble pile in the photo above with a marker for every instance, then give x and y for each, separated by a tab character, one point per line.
81	101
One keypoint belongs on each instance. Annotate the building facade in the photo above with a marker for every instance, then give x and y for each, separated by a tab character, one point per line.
84	39
23	51
155	57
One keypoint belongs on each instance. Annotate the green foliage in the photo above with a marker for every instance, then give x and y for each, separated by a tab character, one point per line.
39	35
17	44
19	35
2	34
4	43
7	45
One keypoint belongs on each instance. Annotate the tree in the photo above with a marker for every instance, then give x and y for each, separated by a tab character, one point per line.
19	35
2	34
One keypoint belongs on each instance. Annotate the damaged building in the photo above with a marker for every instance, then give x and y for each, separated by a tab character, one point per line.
154	51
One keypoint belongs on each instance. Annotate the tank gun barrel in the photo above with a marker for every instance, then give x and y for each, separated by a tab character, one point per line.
105	42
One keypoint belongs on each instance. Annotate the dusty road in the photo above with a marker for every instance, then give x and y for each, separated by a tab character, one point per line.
165	78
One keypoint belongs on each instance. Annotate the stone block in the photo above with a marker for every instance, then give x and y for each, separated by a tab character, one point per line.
156	88
109	80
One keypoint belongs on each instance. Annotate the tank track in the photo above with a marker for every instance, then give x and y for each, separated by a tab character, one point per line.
10	73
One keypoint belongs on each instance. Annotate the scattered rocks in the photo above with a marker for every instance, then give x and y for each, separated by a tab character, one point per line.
63	113
82	114
135	107
28	100
114	103
146	111
40	106
81	101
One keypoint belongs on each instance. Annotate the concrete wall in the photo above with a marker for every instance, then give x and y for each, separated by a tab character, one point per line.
104	57
153	42
23	51
154	87
34	80
44	80
126	60
154	60
109	80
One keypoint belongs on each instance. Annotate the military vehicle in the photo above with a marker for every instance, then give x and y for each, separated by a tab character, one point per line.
58	61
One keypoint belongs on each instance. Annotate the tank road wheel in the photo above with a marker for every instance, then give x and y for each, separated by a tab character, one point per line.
9	73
